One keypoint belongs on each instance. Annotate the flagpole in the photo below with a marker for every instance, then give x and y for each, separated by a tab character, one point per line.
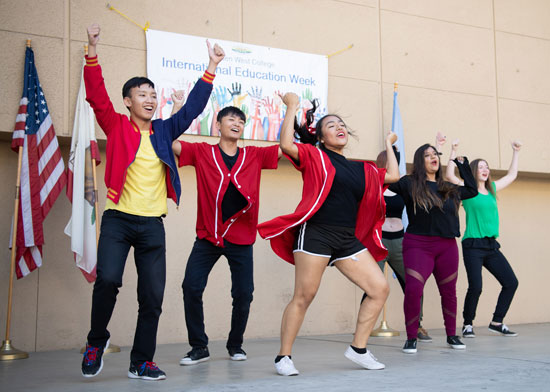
94	175
7	351
384	329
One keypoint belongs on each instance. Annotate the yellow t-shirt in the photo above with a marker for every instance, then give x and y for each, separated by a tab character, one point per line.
144	191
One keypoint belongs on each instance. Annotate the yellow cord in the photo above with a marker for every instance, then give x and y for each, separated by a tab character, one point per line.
144	28
340	51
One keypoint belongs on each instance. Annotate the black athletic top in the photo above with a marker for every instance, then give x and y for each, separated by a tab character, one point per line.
342	203
436	221
394	209
232	201
394	206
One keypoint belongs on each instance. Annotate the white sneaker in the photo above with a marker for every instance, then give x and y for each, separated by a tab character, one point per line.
468	331
367	360
285	367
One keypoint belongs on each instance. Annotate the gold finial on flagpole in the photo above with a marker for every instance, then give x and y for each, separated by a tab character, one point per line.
395	86
28	43
86	49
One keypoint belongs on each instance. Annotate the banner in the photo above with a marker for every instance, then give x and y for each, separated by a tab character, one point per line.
249	77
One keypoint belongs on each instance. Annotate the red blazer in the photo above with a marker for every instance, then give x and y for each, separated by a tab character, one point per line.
213	178
318	174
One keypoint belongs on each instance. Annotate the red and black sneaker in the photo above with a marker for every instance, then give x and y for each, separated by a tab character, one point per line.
146	371
92	362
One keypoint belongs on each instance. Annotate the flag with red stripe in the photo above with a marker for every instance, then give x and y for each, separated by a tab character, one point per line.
80	187
42	172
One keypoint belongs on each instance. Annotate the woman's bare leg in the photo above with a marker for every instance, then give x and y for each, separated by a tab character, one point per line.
307	278
366	274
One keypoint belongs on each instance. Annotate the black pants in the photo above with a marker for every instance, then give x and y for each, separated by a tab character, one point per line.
203	257
120	231
490	257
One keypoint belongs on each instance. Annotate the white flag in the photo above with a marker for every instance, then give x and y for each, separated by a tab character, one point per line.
80	187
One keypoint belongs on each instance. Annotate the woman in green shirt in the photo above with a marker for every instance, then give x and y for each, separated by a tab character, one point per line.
479	245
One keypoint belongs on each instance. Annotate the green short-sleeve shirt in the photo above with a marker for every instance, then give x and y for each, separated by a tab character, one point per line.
481	216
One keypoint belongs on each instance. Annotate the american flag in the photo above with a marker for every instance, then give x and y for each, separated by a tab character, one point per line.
42	172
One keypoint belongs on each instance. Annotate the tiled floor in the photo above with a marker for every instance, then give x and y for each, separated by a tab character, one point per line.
490	363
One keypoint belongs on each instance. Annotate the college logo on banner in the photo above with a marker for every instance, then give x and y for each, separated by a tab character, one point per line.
249	77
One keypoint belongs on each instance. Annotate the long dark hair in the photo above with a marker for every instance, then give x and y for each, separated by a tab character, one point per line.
421	194
307	134
488	182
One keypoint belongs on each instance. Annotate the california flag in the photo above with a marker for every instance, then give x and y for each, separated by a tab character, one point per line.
80	187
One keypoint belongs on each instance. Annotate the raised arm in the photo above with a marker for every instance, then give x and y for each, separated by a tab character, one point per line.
512	174
292	102
450	172
198	97
216	54
392	167
469	189
96	93
177	101
440	140
93	38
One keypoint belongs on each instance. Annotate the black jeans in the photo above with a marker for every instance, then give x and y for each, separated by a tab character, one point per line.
120	231
490	257
203	257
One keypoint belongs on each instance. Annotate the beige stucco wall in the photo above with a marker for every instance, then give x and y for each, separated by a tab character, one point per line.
474	69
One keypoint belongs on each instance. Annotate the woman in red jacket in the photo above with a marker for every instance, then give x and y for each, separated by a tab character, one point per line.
337	223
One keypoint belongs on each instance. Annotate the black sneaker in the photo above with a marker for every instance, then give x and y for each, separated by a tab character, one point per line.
468	331
196	355
502	329
236	354
410	346
422	335
92	361
454	342
146	371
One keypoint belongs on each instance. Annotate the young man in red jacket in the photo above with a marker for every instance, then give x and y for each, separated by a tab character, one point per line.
228	184
140	174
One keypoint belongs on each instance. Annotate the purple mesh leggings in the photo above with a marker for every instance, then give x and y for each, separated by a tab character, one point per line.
422	256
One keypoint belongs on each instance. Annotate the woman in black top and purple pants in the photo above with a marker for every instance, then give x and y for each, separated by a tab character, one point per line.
392	237
429	245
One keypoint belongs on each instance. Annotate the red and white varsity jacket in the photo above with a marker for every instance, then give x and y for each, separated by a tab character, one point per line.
318	174
124	136
213	178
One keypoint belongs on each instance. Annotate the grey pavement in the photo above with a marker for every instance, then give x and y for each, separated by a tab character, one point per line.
489	363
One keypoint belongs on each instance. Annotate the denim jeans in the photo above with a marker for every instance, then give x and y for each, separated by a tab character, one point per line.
201	260
119	232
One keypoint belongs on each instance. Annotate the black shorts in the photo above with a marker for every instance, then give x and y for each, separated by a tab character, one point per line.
333	242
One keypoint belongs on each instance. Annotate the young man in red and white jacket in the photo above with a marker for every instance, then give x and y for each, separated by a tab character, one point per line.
228	184
140	175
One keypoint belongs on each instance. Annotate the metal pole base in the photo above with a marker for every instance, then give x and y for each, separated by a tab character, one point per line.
9	353
113	348
384	330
